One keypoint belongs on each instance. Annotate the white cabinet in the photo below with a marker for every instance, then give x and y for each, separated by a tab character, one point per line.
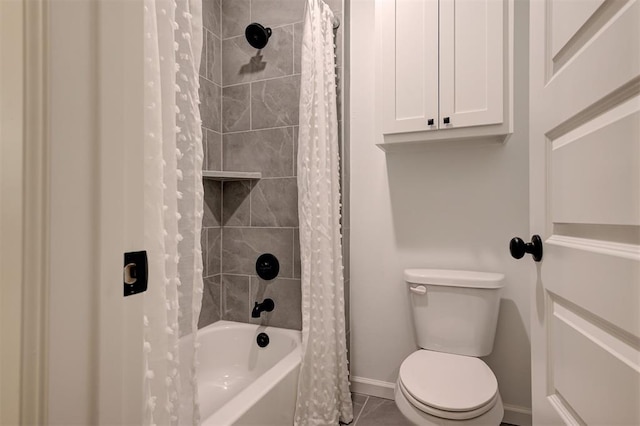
443	69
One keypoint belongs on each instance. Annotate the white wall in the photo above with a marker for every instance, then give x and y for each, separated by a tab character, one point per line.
443	207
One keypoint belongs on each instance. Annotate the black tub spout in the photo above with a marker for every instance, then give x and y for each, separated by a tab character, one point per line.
267	305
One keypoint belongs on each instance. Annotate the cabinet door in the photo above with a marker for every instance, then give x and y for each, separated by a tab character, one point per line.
407	32
471	62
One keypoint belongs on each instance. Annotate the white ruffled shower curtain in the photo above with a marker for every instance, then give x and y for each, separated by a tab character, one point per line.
323	387
173	209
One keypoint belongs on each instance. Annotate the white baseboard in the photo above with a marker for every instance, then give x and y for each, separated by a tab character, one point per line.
516	415
372	387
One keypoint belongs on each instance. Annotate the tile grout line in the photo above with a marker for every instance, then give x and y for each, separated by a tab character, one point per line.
293	48
293	147
221	160
206	252
206	52
221	239
293	74
250	203
259	130
260	227
355	422
221	151
250	106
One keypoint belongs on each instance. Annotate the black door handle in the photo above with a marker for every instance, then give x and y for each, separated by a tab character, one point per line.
518	248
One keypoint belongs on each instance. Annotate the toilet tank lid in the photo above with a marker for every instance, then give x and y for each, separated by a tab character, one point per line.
452	278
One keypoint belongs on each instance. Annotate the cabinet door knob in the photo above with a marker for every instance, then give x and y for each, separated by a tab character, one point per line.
430	122
446	120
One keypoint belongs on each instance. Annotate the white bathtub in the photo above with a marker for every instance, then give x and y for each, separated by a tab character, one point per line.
243	384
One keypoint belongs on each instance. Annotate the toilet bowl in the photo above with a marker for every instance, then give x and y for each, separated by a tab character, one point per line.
435	388
445	383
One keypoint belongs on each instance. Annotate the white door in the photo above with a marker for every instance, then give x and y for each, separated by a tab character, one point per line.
93	54
585	203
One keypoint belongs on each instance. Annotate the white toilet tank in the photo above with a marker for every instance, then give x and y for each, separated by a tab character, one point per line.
455	311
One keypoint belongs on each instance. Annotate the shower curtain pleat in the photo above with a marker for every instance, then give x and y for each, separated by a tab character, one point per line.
323	388
173	209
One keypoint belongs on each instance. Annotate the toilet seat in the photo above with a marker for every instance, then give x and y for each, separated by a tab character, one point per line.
448	386
449	415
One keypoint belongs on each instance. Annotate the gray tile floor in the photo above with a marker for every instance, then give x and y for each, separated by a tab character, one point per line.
372	411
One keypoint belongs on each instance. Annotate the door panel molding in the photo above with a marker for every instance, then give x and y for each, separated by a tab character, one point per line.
584	34
609	248
599	107
35	336
588	362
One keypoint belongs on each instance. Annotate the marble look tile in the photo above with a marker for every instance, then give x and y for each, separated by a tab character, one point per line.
203	247
242	63
184	296
358	402
267	151
296	133
214	151
211	15
236	15
296	253
236	205
210	311
273	13
235	298
214	58
381	412
242	246
203	56
214	240
210	103
347	305
286	295
274	202
212	203
275	103
297	46
204	148
236	112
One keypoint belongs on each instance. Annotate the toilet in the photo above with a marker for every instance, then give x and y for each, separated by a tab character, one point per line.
444	382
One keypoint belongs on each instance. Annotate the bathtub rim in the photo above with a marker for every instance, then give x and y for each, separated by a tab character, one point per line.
240	404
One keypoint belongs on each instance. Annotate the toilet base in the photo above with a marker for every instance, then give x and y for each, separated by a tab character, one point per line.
493	417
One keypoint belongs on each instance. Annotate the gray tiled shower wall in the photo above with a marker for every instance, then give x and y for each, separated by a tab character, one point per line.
249	108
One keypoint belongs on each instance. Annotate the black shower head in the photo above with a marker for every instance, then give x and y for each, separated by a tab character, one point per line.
257	35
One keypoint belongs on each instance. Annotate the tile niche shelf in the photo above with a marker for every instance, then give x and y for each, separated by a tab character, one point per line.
224	176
